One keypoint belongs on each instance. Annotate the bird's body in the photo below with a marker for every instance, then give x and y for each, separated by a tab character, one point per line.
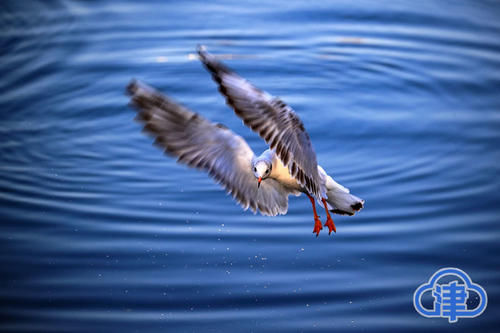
281	173
335	191
289	166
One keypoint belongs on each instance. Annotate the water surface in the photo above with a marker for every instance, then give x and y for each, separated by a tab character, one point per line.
101	232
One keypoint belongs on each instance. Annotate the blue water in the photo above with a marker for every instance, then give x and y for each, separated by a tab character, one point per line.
100	232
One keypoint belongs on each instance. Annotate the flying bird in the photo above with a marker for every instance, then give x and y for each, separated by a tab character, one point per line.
261	183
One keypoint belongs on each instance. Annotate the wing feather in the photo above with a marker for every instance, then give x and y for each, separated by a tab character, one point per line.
202	144
273	120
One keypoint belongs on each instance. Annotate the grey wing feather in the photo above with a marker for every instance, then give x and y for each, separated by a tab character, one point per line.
202	144
272	119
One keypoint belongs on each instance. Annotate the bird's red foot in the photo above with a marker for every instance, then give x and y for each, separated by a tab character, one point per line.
331	226
318	226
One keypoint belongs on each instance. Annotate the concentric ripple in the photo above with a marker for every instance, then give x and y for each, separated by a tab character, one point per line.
101	232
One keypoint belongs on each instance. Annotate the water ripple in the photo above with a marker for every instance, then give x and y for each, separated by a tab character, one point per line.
100	229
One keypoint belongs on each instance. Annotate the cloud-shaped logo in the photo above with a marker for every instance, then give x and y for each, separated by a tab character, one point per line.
450	300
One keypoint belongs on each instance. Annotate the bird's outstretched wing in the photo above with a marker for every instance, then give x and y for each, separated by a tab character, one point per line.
202	144
272	119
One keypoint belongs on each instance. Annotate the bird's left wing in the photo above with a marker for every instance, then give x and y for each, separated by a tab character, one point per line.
201	144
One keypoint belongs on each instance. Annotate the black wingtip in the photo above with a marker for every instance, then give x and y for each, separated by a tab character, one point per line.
211	63
202	53
200	48
131	87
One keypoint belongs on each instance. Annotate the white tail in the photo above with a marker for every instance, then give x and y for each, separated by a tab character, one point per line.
339	200
344	203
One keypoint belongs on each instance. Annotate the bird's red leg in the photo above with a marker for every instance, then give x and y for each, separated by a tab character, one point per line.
329	222
317	223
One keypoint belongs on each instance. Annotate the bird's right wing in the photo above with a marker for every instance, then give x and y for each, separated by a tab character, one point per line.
272	119
202	144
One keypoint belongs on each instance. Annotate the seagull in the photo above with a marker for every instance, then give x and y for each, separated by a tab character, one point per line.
261	183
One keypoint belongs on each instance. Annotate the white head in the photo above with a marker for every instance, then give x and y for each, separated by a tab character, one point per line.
261	169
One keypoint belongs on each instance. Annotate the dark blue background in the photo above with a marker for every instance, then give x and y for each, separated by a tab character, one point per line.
100	232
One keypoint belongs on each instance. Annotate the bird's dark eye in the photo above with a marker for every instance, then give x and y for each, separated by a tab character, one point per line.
267	170
255	169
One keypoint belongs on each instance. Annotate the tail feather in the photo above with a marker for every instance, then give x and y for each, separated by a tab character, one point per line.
340	201
344	203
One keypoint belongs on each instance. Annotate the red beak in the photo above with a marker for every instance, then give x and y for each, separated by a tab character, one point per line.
259	180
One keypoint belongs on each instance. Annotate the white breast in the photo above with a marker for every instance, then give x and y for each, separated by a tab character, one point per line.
281	174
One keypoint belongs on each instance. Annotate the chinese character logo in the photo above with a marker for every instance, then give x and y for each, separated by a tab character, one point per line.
450	300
